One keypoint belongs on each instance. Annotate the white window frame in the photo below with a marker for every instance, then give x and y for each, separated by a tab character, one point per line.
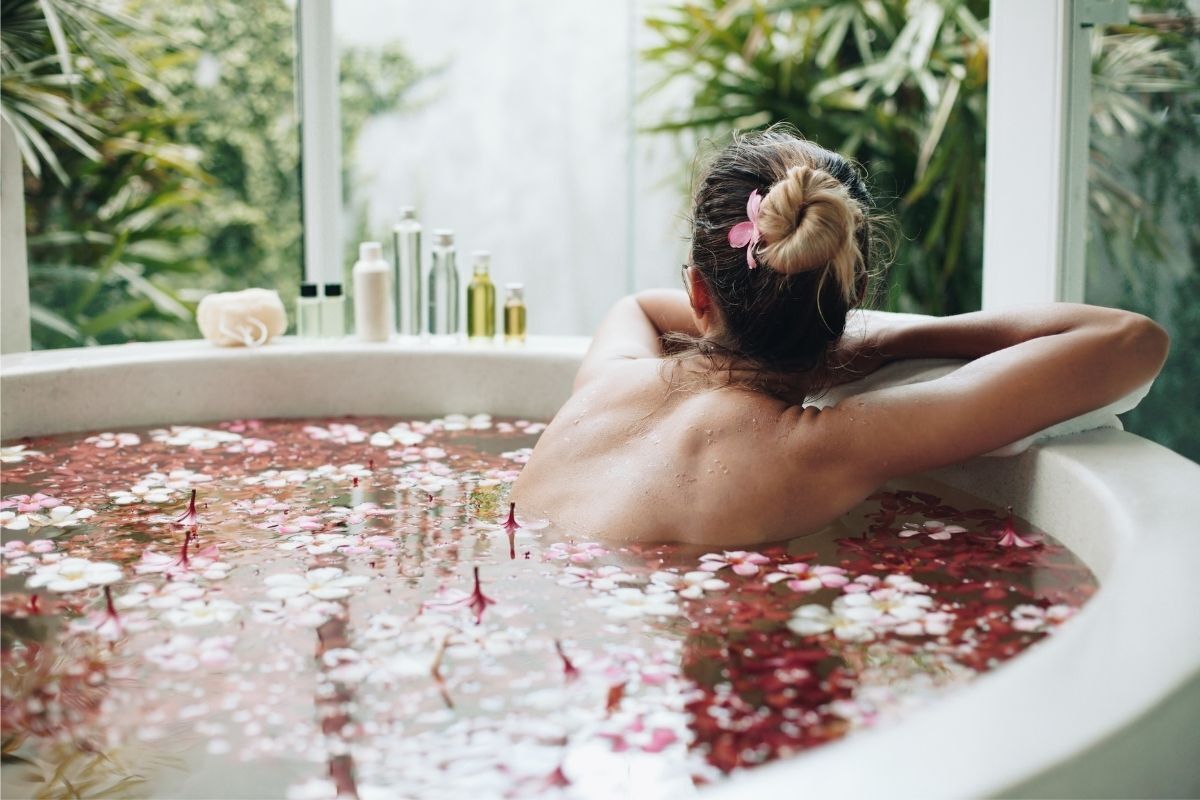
1035	198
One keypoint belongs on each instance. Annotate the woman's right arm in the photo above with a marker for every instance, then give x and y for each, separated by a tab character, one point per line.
1031	369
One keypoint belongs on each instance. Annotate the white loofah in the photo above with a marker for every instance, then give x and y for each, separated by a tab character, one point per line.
247	318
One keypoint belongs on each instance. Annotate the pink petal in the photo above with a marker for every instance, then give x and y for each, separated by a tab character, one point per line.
940	536
741	234
806	585
753	205
745	569
713	566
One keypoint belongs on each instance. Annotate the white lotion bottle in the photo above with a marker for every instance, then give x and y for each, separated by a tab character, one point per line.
372	294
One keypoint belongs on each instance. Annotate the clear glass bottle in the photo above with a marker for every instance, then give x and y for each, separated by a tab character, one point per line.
333	312
481	299
514	312
308	311
406	272
443	310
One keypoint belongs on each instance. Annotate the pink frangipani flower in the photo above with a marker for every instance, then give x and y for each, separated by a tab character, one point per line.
743	563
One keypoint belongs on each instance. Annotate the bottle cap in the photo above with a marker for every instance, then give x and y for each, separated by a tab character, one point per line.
333	290
308	290
370	251
483	261
515	290
443	237
408	212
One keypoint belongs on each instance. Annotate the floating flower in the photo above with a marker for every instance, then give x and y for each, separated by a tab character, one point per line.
346	472
26	503
580	553
1034	619
107	441
73	574
201	612
802	577
194	438
337	432
282	523
183	653
169	595
630	603
847	624
184	566
105	624
276	478
17	453
324	583
934	529
743	563
61	517
1009	536
602	578
14	521
690	585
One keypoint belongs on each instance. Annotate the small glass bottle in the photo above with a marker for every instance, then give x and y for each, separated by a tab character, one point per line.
514	312
333	312
308	311
406	272
443	314
481	299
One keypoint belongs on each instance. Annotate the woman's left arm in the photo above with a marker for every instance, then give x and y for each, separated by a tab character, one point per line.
633	328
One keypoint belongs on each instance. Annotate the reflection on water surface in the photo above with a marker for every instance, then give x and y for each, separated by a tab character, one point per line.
349	608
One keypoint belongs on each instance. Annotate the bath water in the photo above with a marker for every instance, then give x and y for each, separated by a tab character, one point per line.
350	607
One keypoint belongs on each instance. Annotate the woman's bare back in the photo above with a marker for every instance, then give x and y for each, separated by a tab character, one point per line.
630	458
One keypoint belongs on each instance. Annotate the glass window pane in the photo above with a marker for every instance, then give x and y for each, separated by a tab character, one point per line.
1144	187
187	178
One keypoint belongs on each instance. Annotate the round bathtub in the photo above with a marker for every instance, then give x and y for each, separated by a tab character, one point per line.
1108	706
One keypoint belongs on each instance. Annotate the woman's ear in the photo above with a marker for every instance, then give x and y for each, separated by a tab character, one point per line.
701	297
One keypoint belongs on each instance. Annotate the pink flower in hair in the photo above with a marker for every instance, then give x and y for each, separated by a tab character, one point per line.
746	234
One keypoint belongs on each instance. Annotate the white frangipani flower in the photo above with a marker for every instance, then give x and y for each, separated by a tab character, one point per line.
201	612
73	574
630	603
61	517
324	583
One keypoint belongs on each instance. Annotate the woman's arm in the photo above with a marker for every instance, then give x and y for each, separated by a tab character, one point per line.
1031	369
633	328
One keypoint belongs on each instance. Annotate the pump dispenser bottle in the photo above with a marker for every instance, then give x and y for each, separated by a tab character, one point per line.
443	313
514	312
308	311
372	294
481	299
406	272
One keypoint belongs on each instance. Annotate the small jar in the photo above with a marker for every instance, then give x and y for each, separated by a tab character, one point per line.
514	312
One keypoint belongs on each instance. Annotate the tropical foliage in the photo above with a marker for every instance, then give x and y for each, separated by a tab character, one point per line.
145	193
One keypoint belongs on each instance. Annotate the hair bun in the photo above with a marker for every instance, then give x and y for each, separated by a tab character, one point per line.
808	220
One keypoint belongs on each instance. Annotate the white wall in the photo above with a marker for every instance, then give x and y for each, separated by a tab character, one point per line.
524	145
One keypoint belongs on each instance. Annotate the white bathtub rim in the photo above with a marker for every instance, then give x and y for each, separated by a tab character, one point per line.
899	754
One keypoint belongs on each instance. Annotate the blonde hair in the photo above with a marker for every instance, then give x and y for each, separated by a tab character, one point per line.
780	320
808	220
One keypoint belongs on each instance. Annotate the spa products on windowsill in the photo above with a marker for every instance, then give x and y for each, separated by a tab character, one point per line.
372	294
248	318
333	312
406	272
443	315
308	311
